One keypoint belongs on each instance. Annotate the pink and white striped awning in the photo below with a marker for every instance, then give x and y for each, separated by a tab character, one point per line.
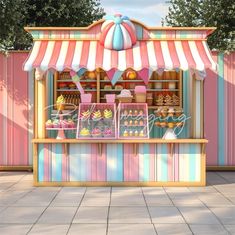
153	55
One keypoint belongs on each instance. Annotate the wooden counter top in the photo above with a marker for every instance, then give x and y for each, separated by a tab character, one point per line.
120	141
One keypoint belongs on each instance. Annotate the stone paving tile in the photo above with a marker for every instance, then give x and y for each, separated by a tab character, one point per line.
131	229
127	191
98	191
91	215
87	229
164	215
20	215
226	189
127	200
72	190
187	201
57	215
208	189
214	178
230	228
49	229
67	199
14	229
153	191
129	215
226	215
172	229
198	215
158	200
208	229
95	201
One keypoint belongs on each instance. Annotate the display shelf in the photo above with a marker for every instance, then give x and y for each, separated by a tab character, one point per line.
76	90
129	81
65	129
70	80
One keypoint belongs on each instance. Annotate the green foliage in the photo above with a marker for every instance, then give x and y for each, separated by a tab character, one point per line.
16	14
217	13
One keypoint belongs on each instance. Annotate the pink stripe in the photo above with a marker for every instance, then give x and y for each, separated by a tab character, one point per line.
152	162
210	107
169	164
144	54
203	54
129	58
105	32
130	31
173	54
69	57
46	162
2	94
40	55
84	56
188	54
176	162
94	154
227	106
114	59
101	164
99	55
64	164
159	55
55	55
126	162
145	34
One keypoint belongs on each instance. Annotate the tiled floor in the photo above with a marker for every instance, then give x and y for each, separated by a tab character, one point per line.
25	209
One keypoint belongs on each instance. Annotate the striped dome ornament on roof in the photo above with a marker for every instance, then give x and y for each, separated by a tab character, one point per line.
118	33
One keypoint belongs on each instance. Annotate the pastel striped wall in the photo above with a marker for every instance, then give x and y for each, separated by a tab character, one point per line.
219	111
85	162
16	111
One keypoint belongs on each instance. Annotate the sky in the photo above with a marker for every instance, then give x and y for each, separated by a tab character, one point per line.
148	12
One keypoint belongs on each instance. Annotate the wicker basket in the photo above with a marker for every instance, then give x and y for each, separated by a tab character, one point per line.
125	99
140	97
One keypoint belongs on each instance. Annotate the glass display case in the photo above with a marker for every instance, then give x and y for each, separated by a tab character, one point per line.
97	121
133	121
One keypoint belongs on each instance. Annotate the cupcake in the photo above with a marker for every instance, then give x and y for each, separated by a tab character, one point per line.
141	112
126	123
158	124
85	132
141	133
64	124
136	133
130	112
60	103
108	132
170	124
136	122
125	112
125	133
56	123
96	132
108	113
70	123
163	124
130	122
130	133
141	122
49	124
96	115
85	115
136	112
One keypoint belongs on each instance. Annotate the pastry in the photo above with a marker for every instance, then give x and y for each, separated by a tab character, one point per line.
130	122
96	115
85	132
160	100
49	124
108	132
158	124
136	133
85	114
60	103
64	123
118	87
130	112
170	124
126	123
108	87
130	133
168	100
164	112
70	123
163	124
136	122
125	113
141	133
56	123
178	112
125	94
96	132
108	113
141	112
125	133
175	100
136	112
171	112
141	122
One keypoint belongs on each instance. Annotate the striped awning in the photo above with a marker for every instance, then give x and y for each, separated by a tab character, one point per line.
90	54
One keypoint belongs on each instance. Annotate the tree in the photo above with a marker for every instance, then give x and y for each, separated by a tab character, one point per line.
217	13
16	14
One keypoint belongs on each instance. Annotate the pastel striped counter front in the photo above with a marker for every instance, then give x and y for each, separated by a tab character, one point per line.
152	162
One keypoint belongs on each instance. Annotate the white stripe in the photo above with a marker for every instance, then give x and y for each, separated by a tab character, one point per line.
213	64
107	59
151	55
126	38
92	56
77	56
62	56
47	56
105	24
130	24
141	162
166	55
33	56
159	161
198	163
108	42
197	58
181	55
137	57
122	60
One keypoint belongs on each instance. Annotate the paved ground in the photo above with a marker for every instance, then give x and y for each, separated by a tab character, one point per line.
25	209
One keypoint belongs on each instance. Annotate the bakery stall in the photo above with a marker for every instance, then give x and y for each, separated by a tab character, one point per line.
118	103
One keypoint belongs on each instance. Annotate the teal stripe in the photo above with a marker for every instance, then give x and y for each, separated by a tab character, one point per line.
139	32
221	121
115	155
84	148
164	163
157	34
58	172
41	162
146	162
77	34
192	162
74	163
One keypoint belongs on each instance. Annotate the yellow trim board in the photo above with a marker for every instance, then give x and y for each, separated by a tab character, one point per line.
220	168
16	168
